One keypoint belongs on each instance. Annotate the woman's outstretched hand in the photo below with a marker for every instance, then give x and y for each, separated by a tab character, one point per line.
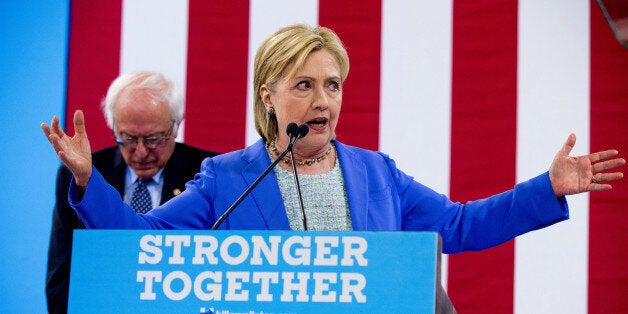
573	175
75	151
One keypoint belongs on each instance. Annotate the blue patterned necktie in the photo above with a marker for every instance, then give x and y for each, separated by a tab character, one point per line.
141	202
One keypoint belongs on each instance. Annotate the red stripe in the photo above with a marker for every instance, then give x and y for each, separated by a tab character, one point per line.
608	257
217	74
360	30
93	62
483	142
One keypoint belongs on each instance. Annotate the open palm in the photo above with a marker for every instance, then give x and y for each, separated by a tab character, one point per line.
74	152
572	175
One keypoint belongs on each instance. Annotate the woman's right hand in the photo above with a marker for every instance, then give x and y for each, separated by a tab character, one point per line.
74	152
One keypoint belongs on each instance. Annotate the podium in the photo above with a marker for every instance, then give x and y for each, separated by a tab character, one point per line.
183	271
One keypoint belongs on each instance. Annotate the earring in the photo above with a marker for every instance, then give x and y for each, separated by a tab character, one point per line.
271	111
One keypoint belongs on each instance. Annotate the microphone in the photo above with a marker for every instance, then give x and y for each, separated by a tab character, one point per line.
301	131
294	132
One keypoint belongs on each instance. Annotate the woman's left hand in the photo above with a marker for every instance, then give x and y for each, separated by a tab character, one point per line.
573	175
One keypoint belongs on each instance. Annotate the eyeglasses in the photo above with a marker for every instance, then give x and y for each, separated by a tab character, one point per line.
150	142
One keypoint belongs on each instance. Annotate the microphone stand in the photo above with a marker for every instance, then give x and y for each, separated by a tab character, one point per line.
296	182
299	132
224	216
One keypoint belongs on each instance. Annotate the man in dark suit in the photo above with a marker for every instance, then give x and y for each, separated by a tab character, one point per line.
144	111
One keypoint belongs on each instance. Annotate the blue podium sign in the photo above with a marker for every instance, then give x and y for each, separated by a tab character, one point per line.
146	271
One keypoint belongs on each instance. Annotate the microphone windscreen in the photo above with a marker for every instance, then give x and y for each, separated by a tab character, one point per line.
292	129
302	130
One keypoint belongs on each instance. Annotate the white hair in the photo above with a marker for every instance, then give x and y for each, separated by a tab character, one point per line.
159	87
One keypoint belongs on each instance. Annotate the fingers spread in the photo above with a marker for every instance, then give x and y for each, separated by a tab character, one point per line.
599	187
568	146
603	155
606	177
608	164
46	129
56	127
56	142
79	122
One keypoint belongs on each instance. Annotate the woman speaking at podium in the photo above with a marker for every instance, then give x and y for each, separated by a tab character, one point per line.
299	74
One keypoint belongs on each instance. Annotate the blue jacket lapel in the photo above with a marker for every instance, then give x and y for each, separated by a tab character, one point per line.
355	175
266	195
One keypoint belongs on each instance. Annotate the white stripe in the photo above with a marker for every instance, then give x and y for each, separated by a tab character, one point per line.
154	38
553	101
415	113
265	18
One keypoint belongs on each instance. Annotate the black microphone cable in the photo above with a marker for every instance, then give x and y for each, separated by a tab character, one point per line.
300	132
292	131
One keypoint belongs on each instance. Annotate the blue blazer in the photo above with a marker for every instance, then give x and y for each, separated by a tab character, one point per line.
381	198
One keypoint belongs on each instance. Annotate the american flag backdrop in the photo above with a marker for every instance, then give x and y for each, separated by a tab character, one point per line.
468	96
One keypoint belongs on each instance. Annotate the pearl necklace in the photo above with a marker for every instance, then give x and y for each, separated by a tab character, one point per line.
306	162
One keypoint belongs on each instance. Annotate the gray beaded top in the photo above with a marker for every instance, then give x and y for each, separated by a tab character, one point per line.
324	200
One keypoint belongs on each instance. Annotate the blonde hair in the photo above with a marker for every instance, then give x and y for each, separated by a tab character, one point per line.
289	45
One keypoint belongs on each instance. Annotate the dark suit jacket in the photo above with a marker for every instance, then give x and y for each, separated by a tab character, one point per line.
181	167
